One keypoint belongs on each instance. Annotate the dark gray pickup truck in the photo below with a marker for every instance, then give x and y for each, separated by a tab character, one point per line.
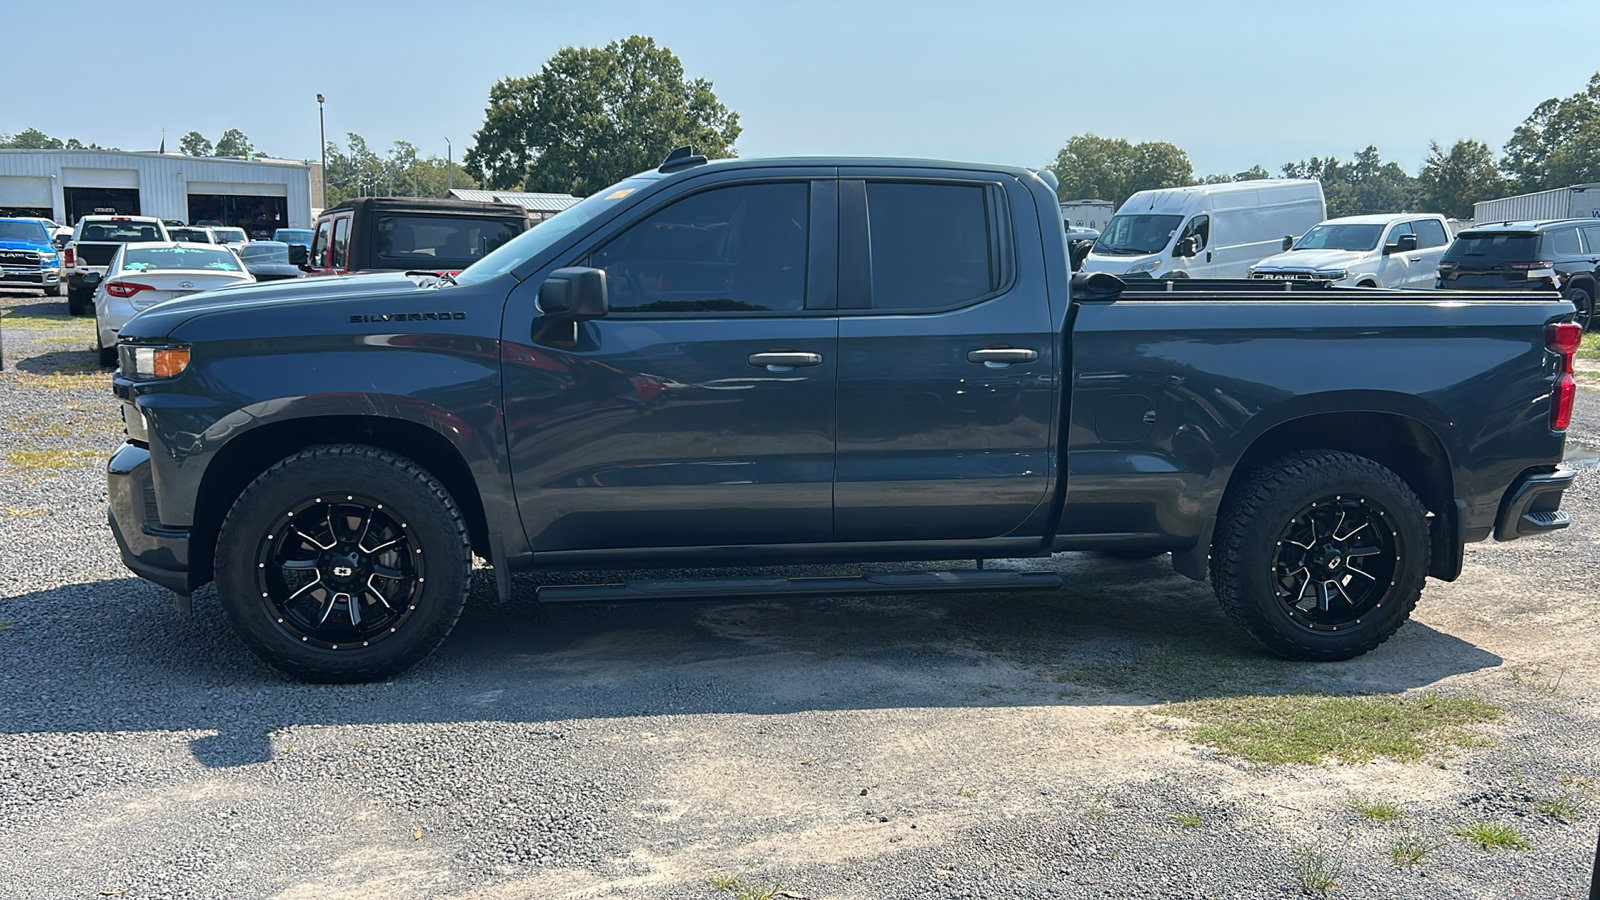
758	362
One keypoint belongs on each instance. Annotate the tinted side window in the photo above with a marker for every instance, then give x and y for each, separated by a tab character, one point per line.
1430	233
930	244
319	247
1562	243
1591	234
733	249
341	240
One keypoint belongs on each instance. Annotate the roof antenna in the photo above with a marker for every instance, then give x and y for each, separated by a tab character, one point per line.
680	159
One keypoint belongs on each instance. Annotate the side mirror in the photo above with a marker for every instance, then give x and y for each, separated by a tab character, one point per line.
567	297
1406	244
575	293
299	255
1189	246
60	242
1288	242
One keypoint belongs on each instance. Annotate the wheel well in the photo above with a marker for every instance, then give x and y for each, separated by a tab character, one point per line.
240	461
1403	445
1584	281
1366	282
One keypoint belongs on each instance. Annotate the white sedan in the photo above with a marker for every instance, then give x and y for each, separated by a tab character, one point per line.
143	274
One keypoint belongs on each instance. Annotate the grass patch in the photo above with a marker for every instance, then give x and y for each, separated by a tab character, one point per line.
1312	728
1560	806
1315	872
23	512
1492	836
731	884
967	792
1590	348
70	379
50	460
1409	850
1536	678
1379	811
1187	819
48	323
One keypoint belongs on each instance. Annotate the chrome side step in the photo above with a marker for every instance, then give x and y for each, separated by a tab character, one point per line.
798	588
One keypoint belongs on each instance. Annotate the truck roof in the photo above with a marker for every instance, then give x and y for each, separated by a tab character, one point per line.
1378	218
433	206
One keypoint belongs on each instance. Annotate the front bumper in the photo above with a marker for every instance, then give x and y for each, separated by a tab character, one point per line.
153	551
31	277
1532	505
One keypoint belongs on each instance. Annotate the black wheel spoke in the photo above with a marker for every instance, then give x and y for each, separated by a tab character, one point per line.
1358	552
1320	587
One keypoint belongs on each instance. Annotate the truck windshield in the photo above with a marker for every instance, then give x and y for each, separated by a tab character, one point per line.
1136	234
543	235
1493	248
23	231
1340	237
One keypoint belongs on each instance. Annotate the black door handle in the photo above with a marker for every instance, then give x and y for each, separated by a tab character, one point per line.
1002	356
783	360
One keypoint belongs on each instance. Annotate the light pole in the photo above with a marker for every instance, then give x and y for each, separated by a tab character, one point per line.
322	134
449	168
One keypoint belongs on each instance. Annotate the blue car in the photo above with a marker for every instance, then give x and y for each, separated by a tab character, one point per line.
27	258
293	236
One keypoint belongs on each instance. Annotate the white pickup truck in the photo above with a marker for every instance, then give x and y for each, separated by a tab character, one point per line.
1398	250
94	241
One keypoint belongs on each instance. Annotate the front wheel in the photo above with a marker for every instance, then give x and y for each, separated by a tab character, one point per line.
80	302
1320	555
343	563
53	290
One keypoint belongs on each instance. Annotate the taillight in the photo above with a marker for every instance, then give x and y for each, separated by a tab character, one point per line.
126	289
1563	338
1447	264
1530	265
68	258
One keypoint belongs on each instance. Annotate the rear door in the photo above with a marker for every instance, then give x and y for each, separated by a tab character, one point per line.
946	356
1432	241
700	410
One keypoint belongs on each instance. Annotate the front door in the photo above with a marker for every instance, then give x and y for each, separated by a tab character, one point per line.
1397	269
946	357
700	410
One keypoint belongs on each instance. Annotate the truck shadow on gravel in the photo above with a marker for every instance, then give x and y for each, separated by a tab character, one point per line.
115	656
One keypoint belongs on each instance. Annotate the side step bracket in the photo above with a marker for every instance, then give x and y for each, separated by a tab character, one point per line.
780	588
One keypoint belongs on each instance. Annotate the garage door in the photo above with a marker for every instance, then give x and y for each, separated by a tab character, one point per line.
25	191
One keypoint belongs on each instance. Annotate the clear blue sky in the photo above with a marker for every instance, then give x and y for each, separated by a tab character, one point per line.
1233	83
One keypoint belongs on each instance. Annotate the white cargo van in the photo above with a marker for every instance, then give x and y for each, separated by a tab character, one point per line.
1206	230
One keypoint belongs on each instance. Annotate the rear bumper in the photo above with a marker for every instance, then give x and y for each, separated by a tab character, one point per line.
1532	505
153	551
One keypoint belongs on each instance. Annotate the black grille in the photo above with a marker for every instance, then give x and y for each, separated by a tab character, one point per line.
19	258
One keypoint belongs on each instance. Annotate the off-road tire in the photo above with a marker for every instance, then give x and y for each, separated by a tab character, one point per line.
1247	551
79	302
407	492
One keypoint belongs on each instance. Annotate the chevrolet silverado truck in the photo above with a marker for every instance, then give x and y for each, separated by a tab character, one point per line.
746	363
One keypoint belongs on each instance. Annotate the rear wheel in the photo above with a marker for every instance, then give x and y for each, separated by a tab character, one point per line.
343	563
1320	555
80	301
1583	299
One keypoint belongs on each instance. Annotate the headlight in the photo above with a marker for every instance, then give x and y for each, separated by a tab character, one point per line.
151	363
1333	274
1149	265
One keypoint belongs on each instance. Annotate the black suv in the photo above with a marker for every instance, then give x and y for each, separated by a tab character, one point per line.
1538	256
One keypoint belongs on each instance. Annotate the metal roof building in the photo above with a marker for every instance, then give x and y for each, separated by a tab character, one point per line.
539	206
258	195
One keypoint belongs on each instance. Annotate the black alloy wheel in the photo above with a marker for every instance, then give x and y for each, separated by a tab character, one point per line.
343	563
1583	300
1320	555
339	571
1336	559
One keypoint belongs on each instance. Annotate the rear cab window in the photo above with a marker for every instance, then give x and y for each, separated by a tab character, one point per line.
934	245
1430	233
405	241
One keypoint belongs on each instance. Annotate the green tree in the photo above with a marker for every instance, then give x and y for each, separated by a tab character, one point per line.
593	115
1367	185
1256	172
234	143
355	170
1450	183
30	139
1552	130
1090	166
1577	160
194	144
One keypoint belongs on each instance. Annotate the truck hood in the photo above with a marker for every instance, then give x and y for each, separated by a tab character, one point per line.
44	247
160	320
1312	259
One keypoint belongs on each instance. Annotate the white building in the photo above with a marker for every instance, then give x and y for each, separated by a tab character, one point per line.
258	195
539	206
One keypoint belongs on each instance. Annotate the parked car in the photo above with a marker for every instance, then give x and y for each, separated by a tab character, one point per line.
60	237
1389	251
140	275
192	234
820	361
1529	256
27	258
271	260
1205	230
294	236
95	239
389	234
232	237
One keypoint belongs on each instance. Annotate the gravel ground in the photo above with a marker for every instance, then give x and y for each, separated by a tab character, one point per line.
987	746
